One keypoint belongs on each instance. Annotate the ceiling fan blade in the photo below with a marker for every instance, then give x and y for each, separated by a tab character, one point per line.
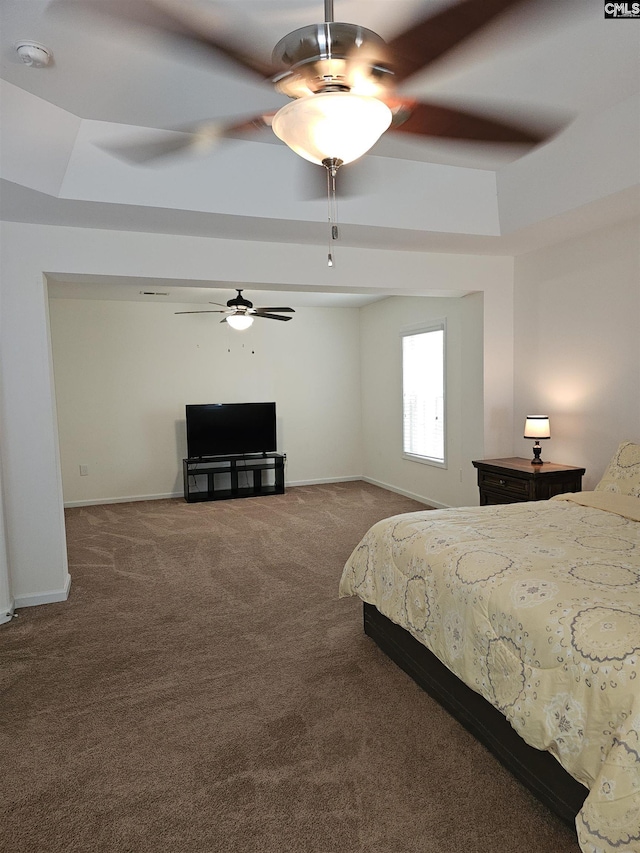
151	148
262	310
201	312
148	147
269	316
432	37
438	121
190	22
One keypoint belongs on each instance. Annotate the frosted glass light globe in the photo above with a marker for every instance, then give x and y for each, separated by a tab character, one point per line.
332	125
240	321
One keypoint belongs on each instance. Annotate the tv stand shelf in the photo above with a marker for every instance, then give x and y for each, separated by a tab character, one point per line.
219	478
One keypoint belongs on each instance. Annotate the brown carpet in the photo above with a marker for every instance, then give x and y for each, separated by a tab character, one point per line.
203	690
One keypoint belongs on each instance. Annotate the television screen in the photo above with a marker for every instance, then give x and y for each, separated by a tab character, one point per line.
218	429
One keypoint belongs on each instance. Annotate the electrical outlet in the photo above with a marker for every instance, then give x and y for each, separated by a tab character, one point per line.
84	470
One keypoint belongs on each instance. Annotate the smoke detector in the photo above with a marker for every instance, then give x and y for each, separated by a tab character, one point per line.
33	53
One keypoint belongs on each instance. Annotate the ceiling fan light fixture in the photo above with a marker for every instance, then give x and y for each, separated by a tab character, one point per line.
332	125
240	322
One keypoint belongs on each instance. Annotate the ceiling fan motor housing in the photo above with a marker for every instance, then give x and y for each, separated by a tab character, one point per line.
329	57
239	302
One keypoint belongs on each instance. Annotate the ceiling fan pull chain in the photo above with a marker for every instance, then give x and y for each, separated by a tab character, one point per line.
332	166
329	255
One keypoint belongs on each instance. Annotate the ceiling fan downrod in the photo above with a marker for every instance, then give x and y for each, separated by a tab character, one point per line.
328	11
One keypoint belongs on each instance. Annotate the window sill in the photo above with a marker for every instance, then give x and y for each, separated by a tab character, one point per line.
425	460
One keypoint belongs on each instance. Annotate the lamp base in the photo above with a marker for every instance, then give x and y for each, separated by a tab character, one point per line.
537	450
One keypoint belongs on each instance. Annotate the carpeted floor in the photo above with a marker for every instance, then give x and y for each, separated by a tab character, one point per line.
203	690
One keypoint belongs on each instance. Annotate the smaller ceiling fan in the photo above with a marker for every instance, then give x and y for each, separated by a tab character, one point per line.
240	312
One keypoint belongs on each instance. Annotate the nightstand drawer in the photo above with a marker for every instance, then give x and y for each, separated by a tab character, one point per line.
514	487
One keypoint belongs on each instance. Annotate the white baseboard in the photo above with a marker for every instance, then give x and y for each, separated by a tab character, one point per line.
419	498
318	481
130	499
36	598
324	481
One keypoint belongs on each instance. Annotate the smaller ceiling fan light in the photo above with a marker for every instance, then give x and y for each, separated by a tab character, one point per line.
239	321
332	125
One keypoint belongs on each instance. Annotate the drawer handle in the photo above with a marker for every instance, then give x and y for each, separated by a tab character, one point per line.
503	482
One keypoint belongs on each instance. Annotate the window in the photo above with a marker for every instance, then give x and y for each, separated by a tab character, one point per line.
423	394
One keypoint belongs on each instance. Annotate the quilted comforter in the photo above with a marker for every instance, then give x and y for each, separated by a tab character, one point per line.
536	606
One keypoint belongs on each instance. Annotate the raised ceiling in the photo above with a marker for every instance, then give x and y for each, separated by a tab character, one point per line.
555	62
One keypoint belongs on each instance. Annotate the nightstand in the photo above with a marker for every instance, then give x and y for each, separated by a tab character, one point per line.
505	481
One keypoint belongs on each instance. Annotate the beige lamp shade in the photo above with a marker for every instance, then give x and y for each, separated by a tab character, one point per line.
537	427
332	125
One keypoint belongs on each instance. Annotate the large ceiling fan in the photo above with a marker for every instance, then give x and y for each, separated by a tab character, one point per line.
240	312
343	80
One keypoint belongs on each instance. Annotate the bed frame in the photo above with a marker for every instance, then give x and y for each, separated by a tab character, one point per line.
538	770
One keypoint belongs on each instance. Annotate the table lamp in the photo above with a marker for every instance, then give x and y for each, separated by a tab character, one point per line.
537	427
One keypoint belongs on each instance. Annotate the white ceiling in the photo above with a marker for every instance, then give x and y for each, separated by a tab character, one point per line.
182	292
553	62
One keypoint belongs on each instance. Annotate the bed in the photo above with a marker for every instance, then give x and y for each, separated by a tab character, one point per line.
526	616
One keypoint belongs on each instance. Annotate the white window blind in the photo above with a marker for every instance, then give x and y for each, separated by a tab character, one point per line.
423	394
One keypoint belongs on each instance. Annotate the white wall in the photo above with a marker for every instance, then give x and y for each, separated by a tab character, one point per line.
382	323
37	570
6	597
125	370
577	346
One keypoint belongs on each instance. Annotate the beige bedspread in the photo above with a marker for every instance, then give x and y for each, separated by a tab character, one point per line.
537	607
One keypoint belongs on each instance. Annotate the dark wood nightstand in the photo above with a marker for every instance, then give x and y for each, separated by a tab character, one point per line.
505	481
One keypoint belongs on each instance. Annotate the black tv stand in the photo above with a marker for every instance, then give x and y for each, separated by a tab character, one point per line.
219	478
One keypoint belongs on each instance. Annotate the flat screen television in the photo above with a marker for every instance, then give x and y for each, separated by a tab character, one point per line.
219	429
